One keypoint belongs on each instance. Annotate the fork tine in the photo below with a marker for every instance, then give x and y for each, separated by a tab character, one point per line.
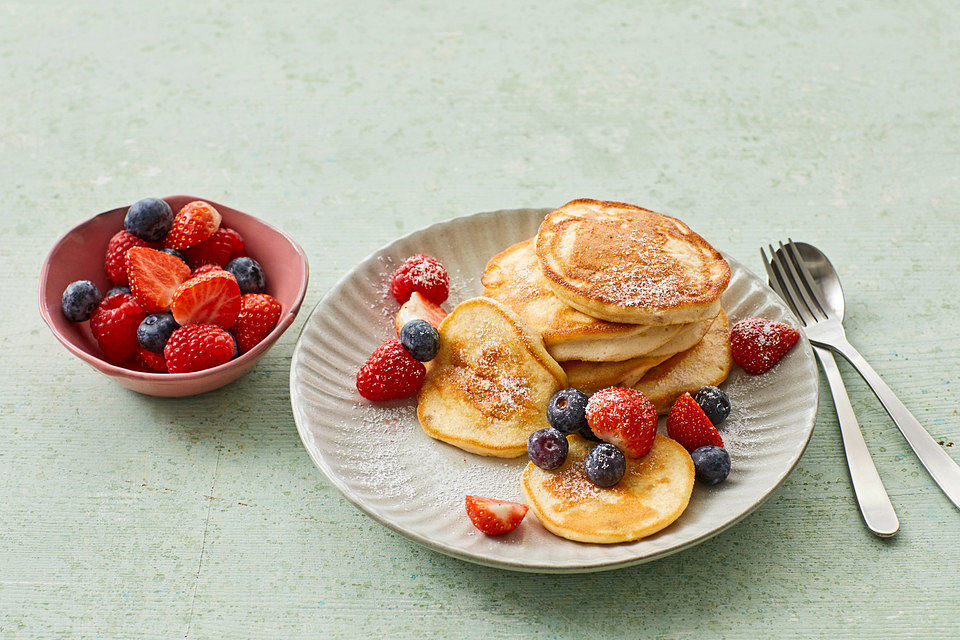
799	305
808	280
798	282
774	281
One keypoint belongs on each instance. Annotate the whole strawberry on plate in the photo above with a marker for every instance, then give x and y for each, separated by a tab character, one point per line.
624	418
758	344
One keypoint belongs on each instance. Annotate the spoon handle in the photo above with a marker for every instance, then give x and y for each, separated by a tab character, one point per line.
878	513
943	469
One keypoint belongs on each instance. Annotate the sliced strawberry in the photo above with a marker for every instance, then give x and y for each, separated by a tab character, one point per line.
194	223
690	426
418	307
495	517
154	276
210	298
757	344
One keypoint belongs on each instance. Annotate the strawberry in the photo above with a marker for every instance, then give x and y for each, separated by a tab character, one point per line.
757	344
690	426
115	261
194	347
218	249
390	373
194	223
421	273
207	268
258	316
151	360
114	324
210	298
419	308
495	517
624	418
154	276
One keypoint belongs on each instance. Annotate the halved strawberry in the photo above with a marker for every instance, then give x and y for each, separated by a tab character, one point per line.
690	426
494	517
194	223
418	307
154	276
210	298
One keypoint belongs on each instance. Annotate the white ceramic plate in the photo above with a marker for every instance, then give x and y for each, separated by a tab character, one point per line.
383	462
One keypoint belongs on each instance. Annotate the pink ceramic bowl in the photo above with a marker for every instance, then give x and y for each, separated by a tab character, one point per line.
79	254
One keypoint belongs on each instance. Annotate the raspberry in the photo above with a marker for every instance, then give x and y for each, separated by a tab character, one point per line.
195	347
114	324
421	273
390	373
117	252
690	426
258	316
757	344
624	418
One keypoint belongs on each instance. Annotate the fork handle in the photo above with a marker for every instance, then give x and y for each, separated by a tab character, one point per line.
878	513
943	469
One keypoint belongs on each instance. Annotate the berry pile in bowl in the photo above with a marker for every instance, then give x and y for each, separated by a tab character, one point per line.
173	296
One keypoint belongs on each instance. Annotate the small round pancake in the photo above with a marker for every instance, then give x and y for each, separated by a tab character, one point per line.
707	363
593	376
514	278
653	493
623	263
488	388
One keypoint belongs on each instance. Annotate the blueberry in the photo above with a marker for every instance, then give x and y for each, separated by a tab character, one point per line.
155	330
115	291
175	253
79	300
236	345
712	464
149	219
547	448
605	465
567	411
249	274
421	339
714	403
588	433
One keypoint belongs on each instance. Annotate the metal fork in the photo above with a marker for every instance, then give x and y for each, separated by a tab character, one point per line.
825	330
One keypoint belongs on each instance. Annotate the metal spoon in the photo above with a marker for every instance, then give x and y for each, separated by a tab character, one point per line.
878	513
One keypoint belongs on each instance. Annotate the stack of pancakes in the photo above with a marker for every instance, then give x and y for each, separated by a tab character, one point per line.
621	296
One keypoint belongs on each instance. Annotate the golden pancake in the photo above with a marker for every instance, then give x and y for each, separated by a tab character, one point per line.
514	278
488	388
593	376
653	493
707	363
623	263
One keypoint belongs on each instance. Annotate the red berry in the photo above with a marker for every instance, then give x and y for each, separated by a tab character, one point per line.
115	262
494	517
154	276
390	373
218	249
421	273
624	418
757	344
690	426
114	324
151	360
419	308
207	268
194	223
239	247
210	298
258	316
194	347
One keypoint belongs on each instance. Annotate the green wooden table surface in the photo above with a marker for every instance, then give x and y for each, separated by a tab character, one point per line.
347	124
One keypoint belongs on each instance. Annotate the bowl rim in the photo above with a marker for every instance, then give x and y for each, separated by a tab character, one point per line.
114	370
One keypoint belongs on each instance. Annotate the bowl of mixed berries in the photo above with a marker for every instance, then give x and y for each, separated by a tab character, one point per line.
174	296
